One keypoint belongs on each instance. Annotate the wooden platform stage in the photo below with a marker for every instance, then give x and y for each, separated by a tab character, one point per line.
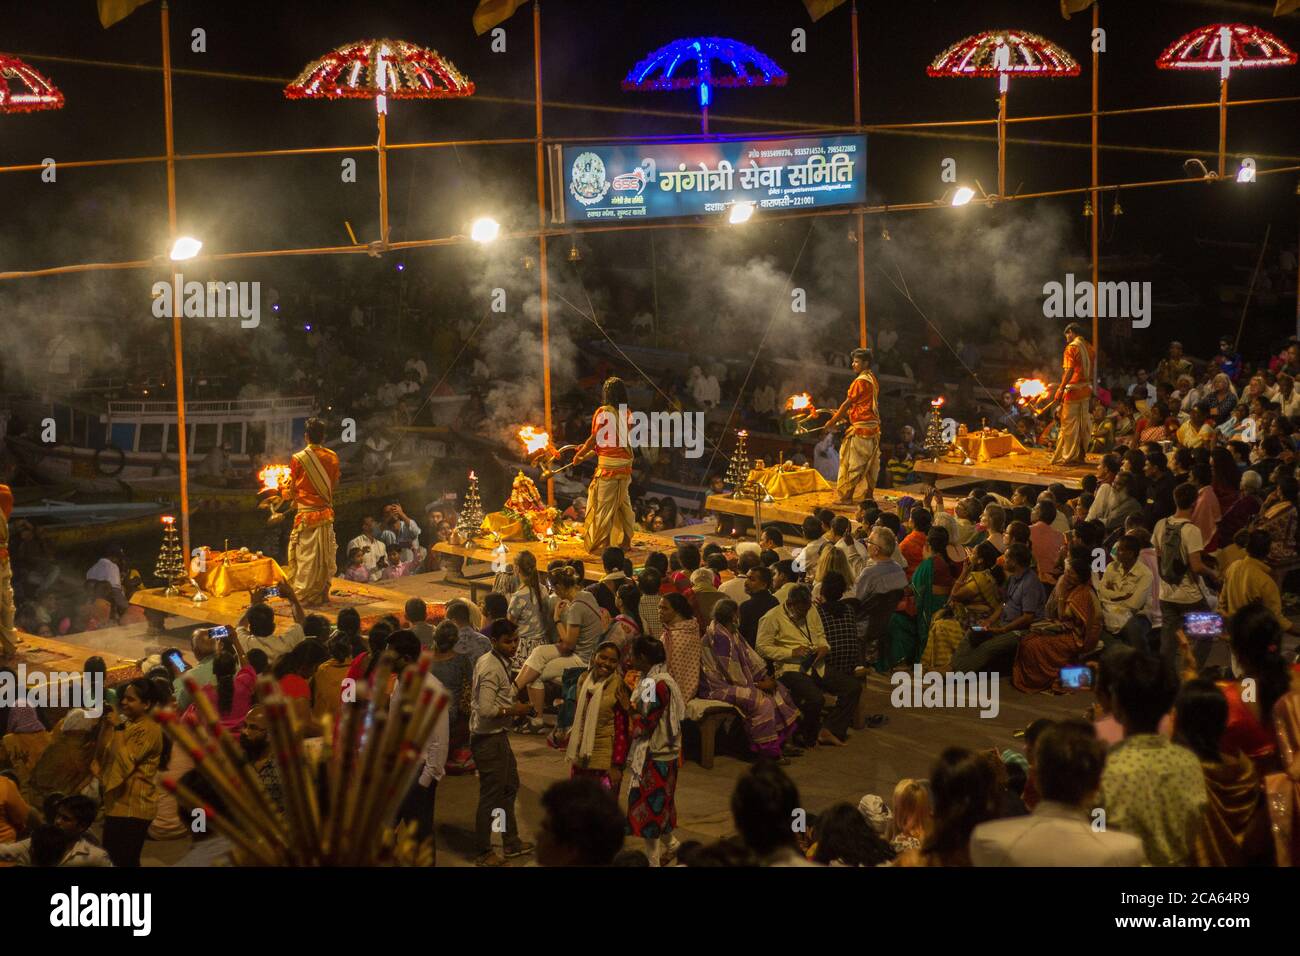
794	509
370	600
45	655
484	549
1031	469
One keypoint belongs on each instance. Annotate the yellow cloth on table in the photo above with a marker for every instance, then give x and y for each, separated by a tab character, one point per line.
226	577
985	446
784	480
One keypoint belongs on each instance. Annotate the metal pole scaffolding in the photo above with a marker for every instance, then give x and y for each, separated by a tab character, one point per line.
182	443
541	238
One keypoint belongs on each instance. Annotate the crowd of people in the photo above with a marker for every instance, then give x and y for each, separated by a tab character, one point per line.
1159	583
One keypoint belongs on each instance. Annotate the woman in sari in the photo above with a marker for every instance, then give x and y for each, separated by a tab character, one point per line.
599	741
681	641
1283	789
23	738
1073	628
1278	518
733	672
1255	638
929	587
972	599
1234	829
656	730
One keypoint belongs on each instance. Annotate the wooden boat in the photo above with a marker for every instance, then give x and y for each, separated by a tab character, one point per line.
66	525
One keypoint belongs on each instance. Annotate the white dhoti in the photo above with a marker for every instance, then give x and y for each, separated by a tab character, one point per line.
312	561
1072	442
610	520
859	465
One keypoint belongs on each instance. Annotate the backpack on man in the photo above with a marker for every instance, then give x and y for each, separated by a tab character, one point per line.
1173	563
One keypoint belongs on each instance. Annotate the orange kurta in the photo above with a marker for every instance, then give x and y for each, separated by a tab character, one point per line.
864	413
312	505
1076	370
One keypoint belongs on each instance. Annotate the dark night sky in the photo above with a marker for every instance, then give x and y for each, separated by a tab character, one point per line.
119	213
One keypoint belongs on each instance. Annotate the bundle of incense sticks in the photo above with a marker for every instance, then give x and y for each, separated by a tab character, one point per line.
338	812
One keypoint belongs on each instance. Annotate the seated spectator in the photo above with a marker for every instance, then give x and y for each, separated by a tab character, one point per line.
469	641
1250	580
548	662
911	820
1264	678
841	837
972	599
75	848
1239	514
839	623
1235	828
964	794
763	803
791	639
1278	517
1068	761
682	642
1151	787
1125	593
994	647
581	825
1071	629
733	672
257	630
1045	542
758	585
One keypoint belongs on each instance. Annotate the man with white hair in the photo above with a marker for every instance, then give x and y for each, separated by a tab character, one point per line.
881	574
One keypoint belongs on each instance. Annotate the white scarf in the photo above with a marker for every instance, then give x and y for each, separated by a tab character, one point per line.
585	718
667	734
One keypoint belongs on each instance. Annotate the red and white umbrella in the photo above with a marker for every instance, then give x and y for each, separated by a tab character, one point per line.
24	89
1004	54
380	70
1225	47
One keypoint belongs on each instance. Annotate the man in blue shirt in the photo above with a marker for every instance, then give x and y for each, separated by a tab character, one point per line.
994	647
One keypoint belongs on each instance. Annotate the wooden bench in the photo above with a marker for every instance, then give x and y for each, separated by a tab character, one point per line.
710	716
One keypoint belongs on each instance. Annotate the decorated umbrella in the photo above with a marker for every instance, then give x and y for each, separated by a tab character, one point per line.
1004	53
1223	47
24	90
718	62
380	70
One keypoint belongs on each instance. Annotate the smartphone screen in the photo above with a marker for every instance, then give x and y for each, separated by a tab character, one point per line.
273	591
178	662
220	632
1076	678
1203	625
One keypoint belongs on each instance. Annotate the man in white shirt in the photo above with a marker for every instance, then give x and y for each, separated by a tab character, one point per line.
109	569
826	458
748	558
1060	831
818	532
1142	390
375	550
258	630
1107	469
1124	593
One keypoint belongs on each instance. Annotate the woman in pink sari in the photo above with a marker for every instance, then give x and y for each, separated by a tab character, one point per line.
732	671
